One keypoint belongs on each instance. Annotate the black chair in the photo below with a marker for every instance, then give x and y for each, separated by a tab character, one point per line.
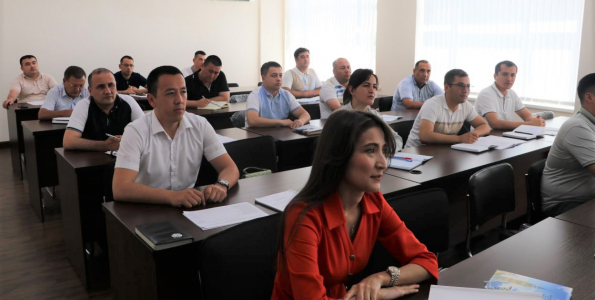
260	83
233	85
403	128
491	193
385	103
533	184
257	152
465	128
240	262
425	213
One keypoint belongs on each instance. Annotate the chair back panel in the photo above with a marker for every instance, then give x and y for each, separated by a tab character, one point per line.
491	193
533	183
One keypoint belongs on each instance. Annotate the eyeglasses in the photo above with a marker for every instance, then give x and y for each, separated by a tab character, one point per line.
76	86
127	65
461	85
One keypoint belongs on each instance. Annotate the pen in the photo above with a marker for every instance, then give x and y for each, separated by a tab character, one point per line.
523	132
113	136
404	158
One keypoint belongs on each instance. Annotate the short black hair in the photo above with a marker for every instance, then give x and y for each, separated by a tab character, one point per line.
199	52
74	71
297	52
213	60
26	57
586	85
267	65
97	72
423	61
153	78
507	63
449	78
126	57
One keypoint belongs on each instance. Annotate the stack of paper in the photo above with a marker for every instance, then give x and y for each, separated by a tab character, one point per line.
525	132
277	201
215	105
225	139
439	292
308	100
389	118
507	281
61	120
224	215
407	161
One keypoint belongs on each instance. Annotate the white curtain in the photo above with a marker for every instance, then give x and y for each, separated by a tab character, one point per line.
331	29
542	37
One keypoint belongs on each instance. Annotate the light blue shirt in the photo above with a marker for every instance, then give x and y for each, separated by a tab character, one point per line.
57	99
269	107
408	88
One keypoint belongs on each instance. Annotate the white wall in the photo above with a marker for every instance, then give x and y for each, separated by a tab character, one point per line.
94	34
586	60
272	32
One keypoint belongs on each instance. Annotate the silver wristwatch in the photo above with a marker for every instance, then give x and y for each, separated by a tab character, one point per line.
394	273
224	183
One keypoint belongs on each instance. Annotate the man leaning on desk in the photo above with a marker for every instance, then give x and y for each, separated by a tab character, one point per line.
270	105
61	99
442	117
128	81
207	84
301	81
160	154
32	85
498	103
97	122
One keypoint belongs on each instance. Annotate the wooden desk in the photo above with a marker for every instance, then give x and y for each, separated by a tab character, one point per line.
15	132
241	90
582	215
237	133
138	272
84	182
40	139
219	119
551	250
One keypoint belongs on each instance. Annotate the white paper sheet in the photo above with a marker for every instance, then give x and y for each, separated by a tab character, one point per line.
308	100
225	139
440	292
389	118
277	201
224	215
36	102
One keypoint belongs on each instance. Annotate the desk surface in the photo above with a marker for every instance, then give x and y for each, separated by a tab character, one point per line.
133	214
84	159
279	133
581	215
237	133
552	250
36	126
241	90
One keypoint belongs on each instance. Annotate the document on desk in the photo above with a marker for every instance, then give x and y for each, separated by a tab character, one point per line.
440	292
308	100
390	119
215	105
486	143
407	161
225	139
36	102
60	120
224	215
277	201
502	280
550	131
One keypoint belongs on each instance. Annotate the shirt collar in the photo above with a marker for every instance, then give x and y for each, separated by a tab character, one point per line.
498	91
415	82
587	114
156	125
269	95
300	72
335	81
445	105
335	215
38	77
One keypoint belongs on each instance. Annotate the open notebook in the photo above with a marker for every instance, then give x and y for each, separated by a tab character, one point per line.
528	132
486	143
215	105
407	161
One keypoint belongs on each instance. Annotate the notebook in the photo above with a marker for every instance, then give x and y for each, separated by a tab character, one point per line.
502	280
215	105
61	120
162	235
308	129
308	100
407	161
486	143
475	148
389	118
525	132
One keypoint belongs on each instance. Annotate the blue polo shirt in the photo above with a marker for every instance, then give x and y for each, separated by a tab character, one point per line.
57	99
408	88
269	107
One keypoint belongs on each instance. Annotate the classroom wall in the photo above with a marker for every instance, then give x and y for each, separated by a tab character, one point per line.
155	32
586	60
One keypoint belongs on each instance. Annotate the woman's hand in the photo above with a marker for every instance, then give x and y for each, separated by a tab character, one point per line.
397	291
367	289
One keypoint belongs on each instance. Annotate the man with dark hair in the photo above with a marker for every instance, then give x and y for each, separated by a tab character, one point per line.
269	105
97	122
32	85
498	103
61	99
160	155
129	82
207	84
569	175
301	81
331	93
442	117
197	63
414	90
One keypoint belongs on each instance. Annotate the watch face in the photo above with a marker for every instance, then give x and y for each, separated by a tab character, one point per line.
223	182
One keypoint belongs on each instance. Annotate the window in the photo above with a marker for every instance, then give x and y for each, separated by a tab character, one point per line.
331	29
542	37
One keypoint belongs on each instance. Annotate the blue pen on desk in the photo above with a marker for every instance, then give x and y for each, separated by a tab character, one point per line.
404	158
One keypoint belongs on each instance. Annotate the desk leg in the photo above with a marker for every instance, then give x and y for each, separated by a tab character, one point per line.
35	196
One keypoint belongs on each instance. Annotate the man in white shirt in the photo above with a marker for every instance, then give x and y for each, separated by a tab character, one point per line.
331	93
442	117
498	103
197	63
160	154
32	85
61	99
301	81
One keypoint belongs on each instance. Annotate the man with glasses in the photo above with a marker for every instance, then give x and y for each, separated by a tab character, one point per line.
498	103
207	84
32	85
61	99
97	123
414	90
128	81
301	81
442	117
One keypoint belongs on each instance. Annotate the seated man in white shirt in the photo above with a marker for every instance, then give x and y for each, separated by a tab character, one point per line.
331	93
442	117
160	153
301	81
270	105
498	103
61	99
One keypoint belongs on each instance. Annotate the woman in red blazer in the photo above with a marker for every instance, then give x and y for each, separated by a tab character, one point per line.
329	229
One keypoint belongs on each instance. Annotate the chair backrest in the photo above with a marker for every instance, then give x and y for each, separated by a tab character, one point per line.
385	103
533	184
238	119
257	152
233	85
403	129
240	262
425	213
491	193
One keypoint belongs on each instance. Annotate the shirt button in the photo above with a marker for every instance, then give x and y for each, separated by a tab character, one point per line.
352	257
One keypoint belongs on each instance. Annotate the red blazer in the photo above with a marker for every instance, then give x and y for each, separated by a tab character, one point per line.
321	257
